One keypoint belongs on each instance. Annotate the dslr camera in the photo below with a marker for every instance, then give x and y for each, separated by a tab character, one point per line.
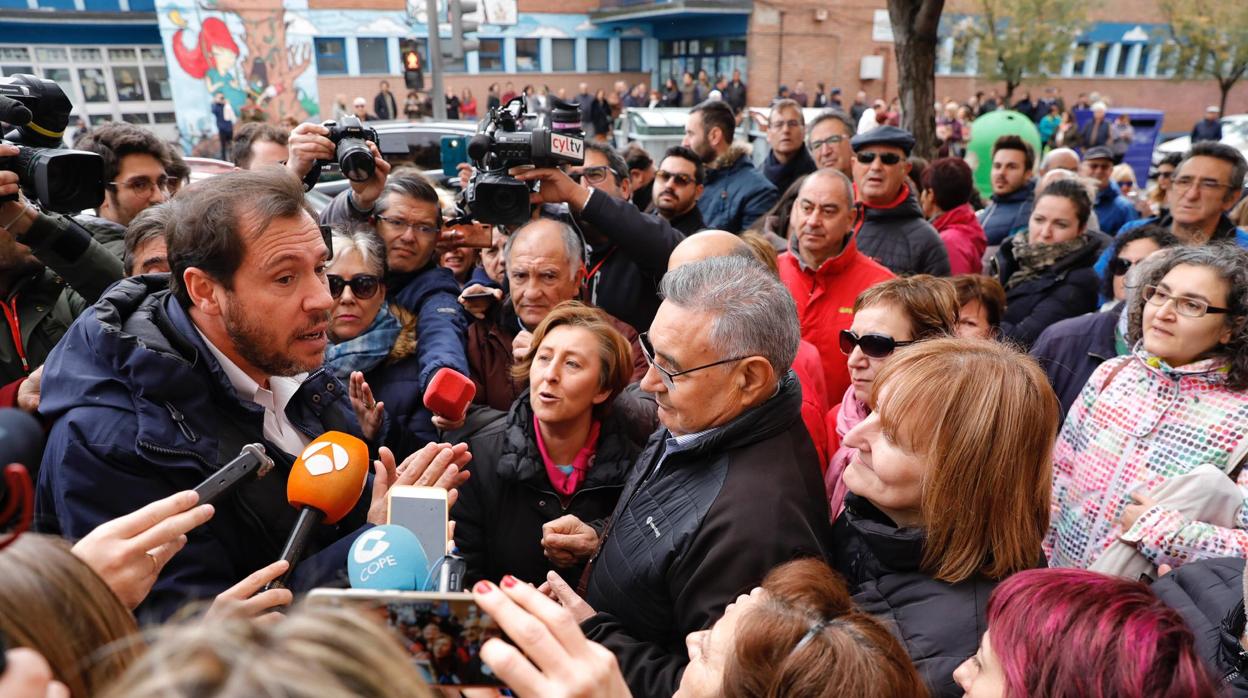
62	180
354	158
505	139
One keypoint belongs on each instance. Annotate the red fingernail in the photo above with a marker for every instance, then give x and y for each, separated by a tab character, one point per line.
509	581
483	587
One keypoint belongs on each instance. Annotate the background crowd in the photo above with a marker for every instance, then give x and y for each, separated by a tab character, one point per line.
828	426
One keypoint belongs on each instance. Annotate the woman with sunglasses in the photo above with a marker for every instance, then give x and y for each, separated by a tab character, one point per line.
373	345
1174	408
949	494
895	313
1047	269
548	473
1071	350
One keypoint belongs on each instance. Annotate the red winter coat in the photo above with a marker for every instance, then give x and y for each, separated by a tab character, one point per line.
964	239
825	303
809	369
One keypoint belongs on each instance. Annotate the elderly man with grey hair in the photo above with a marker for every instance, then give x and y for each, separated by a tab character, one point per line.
726	490
545	266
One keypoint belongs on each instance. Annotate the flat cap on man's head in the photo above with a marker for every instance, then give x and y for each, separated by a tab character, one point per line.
1098	152
884	135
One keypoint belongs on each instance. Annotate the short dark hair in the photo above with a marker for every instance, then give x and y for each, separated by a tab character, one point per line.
255	132
717	114
985	289
950	180
614	160
1159	234
178	168
1013	142
209	219
151	223
1225	153
408	182
637	157
1073	190
680	151
1173	159
115	140
833	115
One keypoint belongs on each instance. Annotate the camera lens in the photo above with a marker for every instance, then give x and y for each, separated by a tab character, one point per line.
355	160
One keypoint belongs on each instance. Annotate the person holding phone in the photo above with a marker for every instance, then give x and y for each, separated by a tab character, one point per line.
550	471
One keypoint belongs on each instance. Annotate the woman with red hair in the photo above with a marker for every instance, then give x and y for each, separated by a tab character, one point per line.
213	59
1064	632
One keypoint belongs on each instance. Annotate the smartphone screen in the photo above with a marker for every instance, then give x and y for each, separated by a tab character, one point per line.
442	632
423	511
454	152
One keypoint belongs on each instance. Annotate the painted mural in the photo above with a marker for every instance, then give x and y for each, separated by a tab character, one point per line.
257	53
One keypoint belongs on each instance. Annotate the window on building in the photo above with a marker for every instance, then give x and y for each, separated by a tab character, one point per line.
62	77
166	117
16	69
122	54
528	55
136	118
128	83
1125	65
630	55
1082	51
374	57
563	54
94	84
158	82
51	54
717	57
331	56
86	55
490	56
597	54
1102	59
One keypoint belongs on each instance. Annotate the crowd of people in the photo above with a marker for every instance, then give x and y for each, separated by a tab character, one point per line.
828	426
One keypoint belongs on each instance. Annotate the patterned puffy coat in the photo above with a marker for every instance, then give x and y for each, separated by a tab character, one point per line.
1138	423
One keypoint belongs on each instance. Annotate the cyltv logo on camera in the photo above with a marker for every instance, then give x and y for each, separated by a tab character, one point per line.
567	146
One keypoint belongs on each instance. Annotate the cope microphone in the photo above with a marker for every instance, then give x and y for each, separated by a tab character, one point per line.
388	557
449	394
325	483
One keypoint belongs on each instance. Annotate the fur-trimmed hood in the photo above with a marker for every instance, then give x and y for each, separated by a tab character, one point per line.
405	345
729	157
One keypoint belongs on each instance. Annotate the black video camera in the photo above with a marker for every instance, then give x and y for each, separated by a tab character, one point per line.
62	180
504	141
354	158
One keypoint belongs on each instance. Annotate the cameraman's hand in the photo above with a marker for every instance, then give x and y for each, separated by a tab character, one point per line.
367	192
308	143
557	187
17	216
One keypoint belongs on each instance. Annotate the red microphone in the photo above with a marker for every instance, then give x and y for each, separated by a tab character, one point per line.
325	483
449	394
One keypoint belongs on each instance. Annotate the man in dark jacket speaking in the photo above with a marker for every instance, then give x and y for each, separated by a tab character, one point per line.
159	383
726	490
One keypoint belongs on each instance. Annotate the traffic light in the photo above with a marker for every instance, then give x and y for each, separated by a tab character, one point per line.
455	10
413	74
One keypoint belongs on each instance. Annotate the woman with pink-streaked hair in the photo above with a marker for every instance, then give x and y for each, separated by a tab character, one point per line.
1074	633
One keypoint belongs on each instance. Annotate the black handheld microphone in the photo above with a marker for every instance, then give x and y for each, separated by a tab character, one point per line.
251	459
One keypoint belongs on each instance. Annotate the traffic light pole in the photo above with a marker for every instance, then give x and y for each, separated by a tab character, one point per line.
436	92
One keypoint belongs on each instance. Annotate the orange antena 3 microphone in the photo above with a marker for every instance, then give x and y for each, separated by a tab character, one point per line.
325	483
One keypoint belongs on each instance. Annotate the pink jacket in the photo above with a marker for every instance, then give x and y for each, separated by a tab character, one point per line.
849	414
964	239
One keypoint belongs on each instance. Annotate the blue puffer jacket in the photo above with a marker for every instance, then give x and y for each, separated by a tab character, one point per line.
1113	210
142	410
441	325
1007	213
735	193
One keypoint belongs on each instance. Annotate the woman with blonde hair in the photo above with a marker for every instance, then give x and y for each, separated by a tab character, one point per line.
949	494
312	653
53	603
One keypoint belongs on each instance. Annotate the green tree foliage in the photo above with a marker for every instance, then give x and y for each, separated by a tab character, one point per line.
1211	38
1024	39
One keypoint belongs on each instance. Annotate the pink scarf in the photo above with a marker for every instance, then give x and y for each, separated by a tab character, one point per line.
851	414
567	479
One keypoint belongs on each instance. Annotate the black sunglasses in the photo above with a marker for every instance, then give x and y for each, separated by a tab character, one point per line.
1119	266
877	346
886	158
363	286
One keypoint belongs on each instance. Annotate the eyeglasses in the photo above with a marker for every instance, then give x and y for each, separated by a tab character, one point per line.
144	185
363	286
422	228
1118	266
669	377
1183	184
1183	305
1165	175
886	158
1126	184
594	175
781	125
877	346
683	180
830	140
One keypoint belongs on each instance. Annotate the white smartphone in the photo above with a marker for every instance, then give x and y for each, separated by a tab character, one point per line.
423	511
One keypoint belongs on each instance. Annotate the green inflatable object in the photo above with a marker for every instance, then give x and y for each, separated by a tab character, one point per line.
985	131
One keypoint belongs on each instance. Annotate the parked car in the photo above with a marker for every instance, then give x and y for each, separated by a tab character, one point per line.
1234	134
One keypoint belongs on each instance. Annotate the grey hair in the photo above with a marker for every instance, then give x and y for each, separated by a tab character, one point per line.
1227	154
151	223
832	114
754	314
573	246
1230	263
364	242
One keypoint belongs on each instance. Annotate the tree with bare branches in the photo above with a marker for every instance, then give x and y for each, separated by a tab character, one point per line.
1212	39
